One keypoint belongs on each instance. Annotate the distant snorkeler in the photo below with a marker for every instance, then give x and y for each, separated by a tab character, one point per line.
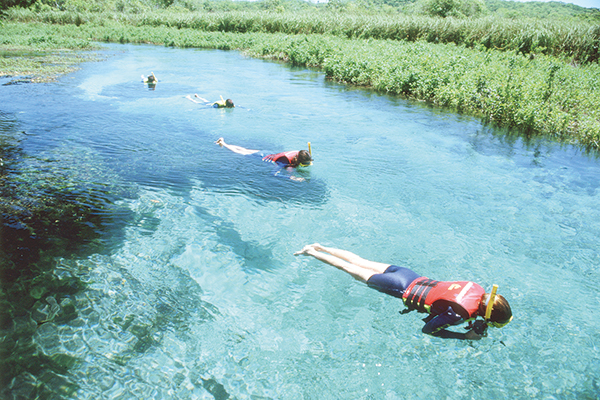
447	303
216	104
284	160
150	80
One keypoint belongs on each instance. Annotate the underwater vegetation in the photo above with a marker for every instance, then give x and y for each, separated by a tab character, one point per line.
64	213
47	211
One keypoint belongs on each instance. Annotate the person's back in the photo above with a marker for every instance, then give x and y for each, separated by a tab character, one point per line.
290	158
224	103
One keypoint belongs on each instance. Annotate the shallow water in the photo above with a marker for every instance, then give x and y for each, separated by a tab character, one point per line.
196	294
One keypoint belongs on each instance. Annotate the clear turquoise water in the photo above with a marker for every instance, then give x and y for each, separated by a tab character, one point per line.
204	274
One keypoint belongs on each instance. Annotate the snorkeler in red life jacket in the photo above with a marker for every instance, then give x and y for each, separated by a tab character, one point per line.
447	303
290	158
300	158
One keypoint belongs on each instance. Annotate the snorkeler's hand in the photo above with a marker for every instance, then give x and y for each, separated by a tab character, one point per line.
479	327
295	178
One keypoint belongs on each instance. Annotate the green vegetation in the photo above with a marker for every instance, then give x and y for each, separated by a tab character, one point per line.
577	41
554	11
39	55
38	66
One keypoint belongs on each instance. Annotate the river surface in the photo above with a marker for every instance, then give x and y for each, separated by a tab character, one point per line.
195	292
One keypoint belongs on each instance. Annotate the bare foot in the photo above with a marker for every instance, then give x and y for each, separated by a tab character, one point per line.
304	250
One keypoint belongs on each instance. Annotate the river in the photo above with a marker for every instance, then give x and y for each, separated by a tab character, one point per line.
190	289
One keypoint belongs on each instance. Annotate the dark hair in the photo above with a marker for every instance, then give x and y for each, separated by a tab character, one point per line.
229	103
501	312
304	157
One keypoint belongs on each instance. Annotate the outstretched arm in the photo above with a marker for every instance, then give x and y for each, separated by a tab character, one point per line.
234	148
436	326
356	271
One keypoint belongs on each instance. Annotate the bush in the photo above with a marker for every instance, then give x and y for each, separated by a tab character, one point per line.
454	8
6	4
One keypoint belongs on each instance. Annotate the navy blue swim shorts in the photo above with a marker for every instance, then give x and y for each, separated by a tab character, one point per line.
260	153
393	281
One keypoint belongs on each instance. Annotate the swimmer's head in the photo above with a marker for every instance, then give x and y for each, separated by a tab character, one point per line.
501	312
304	158
229	103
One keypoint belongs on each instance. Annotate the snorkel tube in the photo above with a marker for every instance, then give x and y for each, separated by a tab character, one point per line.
309	150
479	326
148	79
490	304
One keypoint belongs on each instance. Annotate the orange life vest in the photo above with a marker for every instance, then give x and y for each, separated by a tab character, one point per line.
464	296
282	158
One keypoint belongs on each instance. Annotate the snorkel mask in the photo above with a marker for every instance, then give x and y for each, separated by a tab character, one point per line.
310	163
490	306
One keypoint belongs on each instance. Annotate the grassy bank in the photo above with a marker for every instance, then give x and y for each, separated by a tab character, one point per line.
40	55
538	95
577	41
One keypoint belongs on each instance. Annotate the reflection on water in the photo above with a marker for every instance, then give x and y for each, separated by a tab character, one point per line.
141	260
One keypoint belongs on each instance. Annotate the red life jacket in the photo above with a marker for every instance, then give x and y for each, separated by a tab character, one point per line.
464	296
282	158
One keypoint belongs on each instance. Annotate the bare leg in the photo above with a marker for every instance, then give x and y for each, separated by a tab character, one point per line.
375	266
201	98
358	272
234	148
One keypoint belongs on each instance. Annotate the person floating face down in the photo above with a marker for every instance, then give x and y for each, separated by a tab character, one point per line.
151	79
216	104
284	160
447	303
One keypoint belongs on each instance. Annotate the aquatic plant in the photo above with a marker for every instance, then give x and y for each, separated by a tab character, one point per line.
47	210
36	53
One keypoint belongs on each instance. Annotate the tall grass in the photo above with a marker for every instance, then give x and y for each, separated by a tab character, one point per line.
579	42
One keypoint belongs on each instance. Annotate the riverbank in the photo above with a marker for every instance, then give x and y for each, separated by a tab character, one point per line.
533	93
